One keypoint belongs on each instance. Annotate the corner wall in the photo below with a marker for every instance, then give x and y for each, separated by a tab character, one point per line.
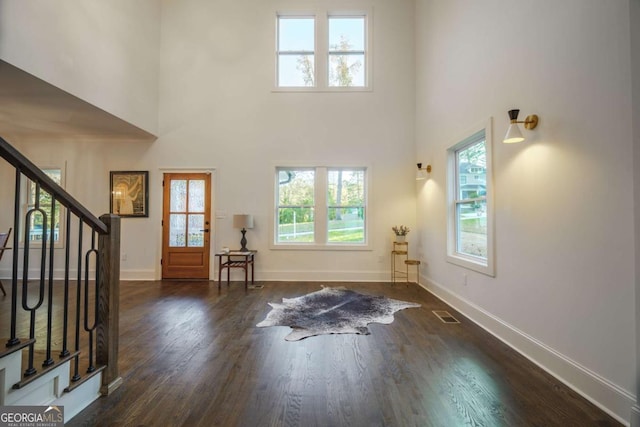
564	289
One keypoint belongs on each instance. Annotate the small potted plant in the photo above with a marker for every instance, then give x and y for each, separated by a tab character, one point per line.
401	232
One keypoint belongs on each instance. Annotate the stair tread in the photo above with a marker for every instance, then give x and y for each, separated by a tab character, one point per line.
7	350
38	357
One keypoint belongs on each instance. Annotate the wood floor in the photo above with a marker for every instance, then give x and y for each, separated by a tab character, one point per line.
191	356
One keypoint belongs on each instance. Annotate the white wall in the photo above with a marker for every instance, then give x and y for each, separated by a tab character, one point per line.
634	19
564	289
218	111
105	52
563	207
87	166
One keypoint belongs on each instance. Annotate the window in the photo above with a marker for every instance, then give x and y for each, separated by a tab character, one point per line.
318	51
470	217
346	206
346	51
39	224
321	207
296	206
296	51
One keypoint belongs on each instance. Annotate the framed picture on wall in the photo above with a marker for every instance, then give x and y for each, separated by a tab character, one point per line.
130	194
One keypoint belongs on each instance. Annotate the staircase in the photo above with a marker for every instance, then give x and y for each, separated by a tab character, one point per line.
59	319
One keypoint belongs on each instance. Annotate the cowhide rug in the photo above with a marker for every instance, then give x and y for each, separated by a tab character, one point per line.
332	311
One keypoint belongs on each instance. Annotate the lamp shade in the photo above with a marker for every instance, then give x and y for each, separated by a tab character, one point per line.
243	221
513	134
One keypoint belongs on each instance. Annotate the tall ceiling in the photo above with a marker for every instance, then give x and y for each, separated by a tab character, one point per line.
31	108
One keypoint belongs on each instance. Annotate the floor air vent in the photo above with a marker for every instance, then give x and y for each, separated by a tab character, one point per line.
445	316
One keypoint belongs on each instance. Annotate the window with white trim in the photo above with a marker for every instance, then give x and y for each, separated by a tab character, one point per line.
42	218
346	207
347	51
470	240
322	51
320	207
296	51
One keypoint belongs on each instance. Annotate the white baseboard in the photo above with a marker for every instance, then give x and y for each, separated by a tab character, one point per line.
609	397
277	276
635	415
137	274
34	274
285	276
317	276
58	274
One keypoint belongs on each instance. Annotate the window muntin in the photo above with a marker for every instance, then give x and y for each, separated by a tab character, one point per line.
346	206
296	51
295	210
347	51
39	226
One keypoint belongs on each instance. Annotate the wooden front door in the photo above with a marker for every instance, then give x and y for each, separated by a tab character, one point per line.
186	216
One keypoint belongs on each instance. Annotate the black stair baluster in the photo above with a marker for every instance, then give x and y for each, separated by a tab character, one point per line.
49	360
76	374
91	329
65	323
25	277
13	340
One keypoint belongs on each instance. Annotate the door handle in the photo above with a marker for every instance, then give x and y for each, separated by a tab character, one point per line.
206	230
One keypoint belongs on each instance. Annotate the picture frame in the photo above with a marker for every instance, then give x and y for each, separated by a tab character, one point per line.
129	194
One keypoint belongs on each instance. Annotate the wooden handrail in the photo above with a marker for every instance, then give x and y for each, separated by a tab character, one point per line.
34	173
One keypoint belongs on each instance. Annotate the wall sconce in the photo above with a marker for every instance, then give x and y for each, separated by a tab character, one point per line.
513	133
422	172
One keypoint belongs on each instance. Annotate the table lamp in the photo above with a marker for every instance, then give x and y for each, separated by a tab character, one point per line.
243	222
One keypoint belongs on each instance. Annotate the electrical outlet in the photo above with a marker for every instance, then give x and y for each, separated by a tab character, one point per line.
380	259
464	279
123	256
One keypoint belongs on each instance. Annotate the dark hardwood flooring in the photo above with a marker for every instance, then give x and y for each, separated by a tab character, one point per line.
191	356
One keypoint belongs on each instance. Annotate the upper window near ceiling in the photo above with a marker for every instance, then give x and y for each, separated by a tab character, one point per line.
296	51
347	52
322	51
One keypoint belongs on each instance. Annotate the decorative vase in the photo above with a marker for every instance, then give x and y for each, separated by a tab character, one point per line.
400	239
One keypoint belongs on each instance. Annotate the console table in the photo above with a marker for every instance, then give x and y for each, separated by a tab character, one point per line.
236	259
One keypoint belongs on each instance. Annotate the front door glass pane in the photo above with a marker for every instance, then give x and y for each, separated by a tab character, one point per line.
196	231
196	195
177	230
178	195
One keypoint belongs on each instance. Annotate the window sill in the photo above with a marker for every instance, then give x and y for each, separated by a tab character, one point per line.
321	90
472	264
315	247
